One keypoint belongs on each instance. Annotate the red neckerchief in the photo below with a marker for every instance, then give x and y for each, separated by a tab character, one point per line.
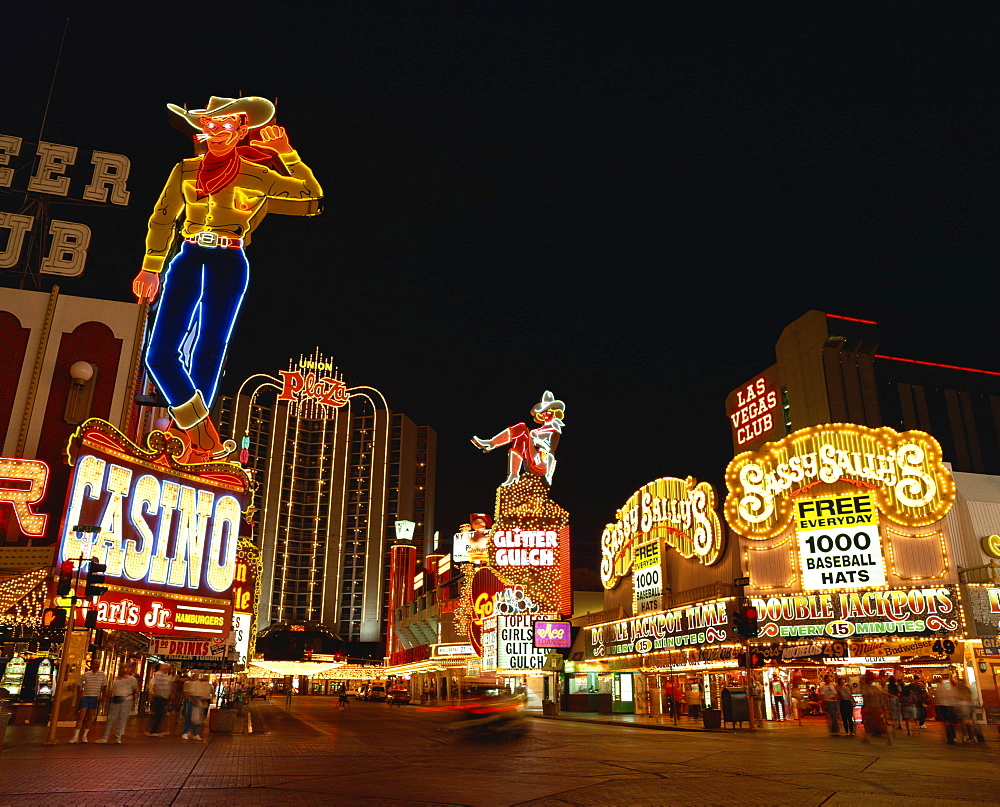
215	173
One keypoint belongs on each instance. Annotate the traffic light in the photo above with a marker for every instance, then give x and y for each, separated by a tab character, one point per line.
90	620
65	584
756	660
745	622
95	580
54	619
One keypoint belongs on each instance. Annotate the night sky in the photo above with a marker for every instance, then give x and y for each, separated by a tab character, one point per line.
625	207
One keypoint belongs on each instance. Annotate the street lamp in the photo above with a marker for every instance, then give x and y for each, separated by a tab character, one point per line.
81	392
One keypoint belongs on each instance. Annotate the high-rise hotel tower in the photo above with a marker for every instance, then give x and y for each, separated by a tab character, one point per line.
336	469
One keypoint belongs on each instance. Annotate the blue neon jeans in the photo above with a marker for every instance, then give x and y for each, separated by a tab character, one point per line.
200	298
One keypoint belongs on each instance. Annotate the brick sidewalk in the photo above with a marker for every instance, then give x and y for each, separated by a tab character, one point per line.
34	734
373	755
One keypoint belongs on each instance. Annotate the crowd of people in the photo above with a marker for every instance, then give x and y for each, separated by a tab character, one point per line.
188	694
889	703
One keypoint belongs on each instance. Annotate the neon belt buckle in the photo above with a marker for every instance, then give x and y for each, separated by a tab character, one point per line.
208	239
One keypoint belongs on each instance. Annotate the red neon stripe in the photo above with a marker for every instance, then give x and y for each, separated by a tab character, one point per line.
853	319
935	364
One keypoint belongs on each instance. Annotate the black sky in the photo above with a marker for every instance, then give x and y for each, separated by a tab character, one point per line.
623	206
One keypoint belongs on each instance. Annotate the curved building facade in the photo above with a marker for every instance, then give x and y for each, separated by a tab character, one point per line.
336	468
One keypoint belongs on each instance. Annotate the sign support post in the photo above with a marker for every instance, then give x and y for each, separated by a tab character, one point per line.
740	583
751	706
50	736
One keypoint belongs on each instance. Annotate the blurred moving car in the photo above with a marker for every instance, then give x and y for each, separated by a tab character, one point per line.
486	705
398	696
375	692
353	692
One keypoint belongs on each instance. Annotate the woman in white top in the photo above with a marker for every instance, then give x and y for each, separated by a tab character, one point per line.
198	694
123	690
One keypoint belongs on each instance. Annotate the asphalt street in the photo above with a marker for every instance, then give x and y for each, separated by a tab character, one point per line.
379	755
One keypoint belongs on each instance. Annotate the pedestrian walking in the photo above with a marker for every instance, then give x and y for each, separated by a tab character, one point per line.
873	708
830	697
907	706
161	687
198	694
92	685
892	692
845	698
289	691
694	702
777	689
920	699
123	690
964	704
947	700
342	698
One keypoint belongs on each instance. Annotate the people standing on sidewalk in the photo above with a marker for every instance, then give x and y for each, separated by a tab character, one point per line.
920	699
892	692
694	702
777	688
947	699
830	697
197	694
161	688
965	702
342	697
123	690
756	693
92	685
907	706
845	700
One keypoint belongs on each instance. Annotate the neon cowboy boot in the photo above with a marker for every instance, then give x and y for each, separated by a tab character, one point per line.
202	438
494	442
513	469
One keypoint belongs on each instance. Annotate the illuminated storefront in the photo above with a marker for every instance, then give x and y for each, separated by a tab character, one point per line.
507	575
849	558
661	561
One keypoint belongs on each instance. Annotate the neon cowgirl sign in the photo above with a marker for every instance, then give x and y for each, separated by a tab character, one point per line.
163	530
